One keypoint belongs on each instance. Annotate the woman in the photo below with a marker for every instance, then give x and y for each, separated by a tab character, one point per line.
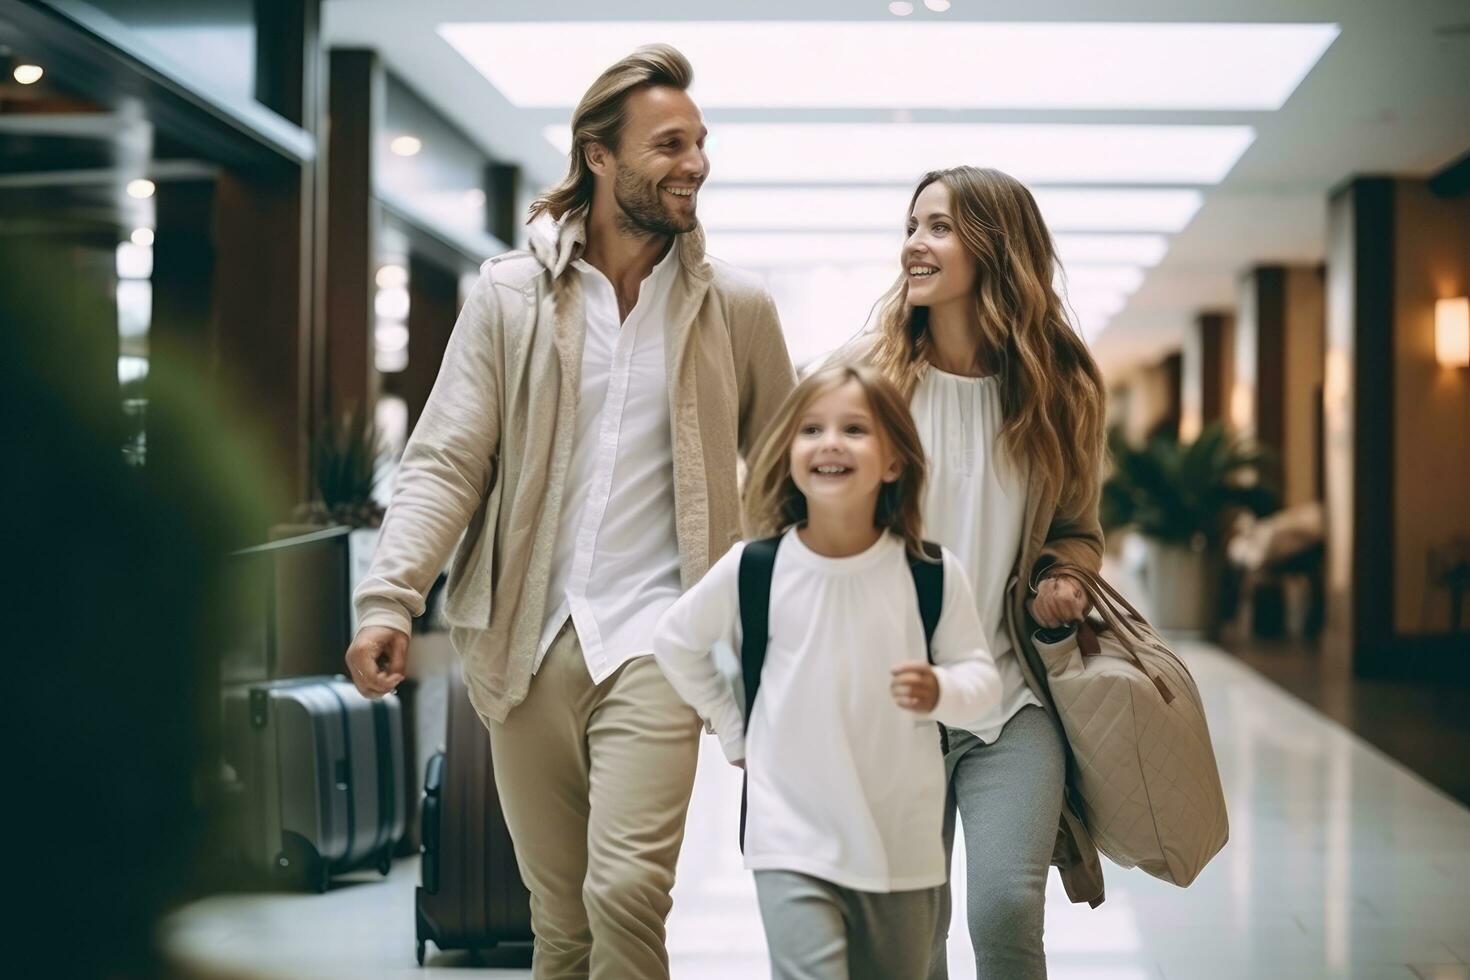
1010	406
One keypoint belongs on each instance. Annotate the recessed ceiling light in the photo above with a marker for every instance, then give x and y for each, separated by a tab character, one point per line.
391	337
406	146
390	361
28	74
141	189
868	64
392	303
900	8
142	236
392	277
884	208
938	6
131	368
1035	153
134	261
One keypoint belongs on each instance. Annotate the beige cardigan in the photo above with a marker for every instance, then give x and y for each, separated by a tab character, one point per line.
488	459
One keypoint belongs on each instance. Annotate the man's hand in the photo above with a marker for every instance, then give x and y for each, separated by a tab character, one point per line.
915	686
1059	601
378	660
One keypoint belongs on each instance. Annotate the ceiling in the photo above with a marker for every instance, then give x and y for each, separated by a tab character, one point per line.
1390	95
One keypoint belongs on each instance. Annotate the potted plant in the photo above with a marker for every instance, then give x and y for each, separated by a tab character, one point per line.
1182	497
345	456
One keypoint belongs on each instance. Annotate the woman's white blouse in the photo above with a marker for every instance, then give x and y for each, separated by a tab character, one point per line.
844	785
975	505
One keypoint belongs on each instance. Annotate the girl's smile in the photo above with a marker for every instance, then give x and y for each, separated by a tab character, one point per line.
838	456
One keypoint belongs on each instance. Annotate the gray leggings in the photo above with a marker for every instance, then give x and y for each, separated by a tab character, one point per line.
820	931
1009	798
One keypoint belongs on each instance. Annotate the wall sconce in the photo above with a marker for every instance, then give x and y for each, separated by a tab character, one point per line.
1452	332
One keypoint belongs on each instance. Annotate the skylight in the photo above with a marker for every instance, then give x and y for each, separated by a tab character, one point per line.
855	153
869	64
884	208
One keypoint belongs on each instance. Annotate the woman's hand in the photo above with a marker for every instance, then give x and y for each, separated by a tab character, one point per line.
1059	601
915	687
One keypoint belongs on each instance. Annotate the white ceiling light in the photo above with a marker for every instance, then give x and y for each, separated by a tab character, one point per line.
474	197
406	146
875	208
769	250
869	64
1094	302
142	236
852	153
28	74
1142	250
134	261
391	304
391	337
1085	209
1123	279
392	277
900	8
141	189
938	6
134	308
131	368
390	361
763	250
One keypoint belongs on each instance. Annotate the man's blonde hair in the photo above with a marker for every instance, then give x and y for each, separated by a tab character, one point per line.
600	116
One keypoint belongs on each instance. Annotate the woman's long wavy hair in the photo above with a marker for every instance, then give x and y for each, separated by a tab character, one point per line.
1052	393
600	116
773	501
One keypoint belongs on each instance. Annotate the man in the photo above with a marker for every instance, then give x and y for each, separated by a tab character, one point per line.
583	433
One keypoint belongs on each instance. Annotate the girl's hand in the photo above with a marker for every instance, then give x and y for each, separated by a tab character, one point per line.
1059	601
915	686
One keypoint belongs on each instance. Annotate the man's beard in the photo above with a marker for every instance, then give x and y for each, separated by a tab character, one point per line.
642	213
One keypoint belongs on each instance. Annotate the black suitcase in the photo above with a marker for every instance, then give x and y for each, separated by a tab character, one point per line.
472	896
320	770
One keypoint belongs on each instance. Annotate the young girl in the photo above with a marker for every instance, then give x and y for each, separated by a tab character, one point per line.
846	784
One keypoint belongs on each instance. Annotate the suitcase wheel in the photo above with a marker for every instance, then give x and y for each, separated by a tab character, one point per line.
323	878
420	952
385	861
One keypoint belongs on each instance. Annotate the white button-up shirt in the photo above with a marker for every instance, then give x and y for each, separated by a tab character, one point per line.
616	565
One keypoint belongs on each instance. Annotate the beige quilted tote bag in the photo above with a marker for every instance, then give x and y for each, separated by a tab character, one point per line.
1150	790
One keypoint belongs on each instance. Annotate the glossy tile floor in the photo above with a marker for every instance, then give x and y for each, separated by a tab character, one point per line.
1341	864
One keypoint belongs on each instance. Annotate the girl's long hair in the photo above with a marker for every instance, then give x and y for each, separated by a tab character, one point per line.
773	502
1052	392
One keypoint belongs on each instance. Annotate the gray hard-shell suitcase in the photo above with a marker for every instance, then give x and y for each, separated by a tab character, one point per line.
321	773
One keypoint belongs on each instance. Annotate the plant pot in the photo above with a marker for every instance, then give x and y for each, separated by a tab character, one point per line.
1182	587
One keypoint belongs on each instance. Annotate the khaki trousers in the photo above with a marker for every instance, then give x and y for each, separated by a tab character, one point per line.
595	783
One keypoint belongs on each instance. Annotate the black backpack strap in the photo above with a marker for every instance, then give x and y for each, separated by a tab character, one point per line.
929	584
757	566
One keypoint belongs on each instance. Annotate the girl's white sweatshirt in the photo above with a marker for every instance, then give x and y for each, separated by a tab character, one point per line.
844	784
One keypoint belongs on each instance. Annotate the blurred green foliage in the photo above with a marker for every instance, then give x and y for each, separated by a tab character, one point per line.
1186	493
